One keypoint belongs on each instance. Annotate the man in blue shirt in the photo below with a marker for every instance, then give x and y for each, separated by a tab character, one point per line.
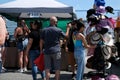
52	53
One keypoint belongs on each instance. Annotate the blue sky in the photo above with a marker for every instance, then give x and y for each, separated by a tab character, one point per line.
83	5
87	4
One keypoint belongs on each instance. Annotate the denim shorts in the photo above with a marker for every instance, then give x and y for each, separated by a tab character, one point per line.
53	60
21	45
25	42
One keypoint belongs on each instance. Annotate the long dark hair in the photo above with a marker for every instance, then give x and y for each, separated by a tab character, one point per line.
80	25
38	23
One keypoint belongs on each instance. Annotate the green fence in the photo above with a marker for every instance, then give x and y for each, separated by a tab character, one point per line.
45	23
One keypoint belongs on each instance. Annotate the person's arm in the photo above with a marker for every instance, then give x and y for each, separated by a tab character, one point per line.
68	30
41	40
41	45
3	31
65	42
30	42
84	40
29	45
27	29
15	33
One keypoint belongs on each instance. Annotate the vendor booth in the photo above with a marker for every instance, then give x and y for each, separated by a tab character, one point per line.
30	10
37	9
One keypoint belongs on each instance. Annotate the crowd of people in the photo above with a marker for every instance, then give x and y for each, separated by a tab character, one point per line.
34	41
31	42
97	38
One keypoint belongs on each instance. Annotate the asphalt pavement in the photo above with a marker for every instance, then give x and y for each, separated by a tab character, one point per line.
12	74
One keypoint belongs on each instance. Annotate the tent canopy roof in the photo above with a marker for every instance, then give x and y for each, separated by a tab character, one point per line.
33	4
37	8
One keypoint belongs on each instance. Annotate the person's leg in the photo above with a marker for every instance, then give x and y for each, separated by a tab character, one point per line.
42	74
20	57
47	61
57	64
33	55
72	63
3	57
25	55
57	75
47	74
80	65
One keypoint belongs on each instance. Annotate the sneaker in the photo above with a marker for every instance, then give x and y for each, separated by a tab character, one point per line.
20	70
25	69
3	69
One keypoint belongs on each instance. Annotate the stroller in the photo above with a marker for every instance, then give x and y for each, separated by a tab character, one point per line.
100	61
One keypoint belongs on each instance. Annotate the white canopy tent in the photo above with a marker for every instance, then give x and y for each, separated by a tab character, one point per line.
35	8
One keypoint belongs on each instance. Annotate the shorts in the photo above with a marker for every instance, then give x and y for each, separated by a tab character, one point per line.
53	60
25	42
21	45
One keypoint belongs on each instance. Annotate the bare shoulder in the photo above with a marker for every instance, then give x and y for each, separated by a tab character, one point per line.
81	35
2	22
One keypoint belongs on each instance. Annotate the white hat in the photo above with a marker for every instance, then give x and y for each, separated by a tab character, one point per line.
94	38
108	40
106	51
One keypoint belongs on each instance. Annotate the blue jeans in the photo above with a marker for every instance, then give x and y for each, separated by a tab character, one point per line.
33	55
79	55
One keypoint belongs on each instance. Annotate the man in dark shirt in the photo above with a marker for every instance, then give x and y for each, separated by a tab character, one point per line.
33	48
52	53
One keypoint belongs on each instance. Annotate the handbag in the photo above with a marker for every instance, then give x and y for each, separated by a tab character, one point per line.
39	61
